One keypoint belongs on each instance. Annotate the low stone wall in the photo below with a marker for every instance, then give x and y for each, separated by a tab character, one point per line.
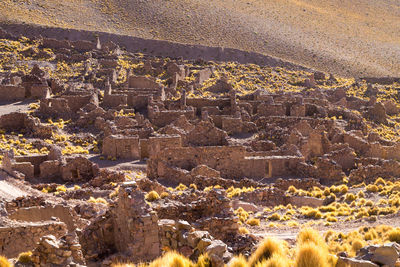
22	237
38	214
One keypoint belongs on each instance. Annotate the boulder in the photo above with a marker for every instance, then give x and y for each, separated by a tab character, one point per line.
386	254
245	205
352	262
195	236
300	201
217	247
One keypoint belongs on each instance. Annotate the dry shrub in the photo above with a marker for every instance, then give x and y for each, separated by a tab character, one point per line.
350	197
371	234
122	265
193	186
171	259
372	188
311	255
25	257
253	222
312	214
98	200
267	248
164	195
343	189
152	196
309	235
4	262
292	189
357	244
380	181
243	230
276	260
238	261
394	235
181	187
274	217
360	194
204	261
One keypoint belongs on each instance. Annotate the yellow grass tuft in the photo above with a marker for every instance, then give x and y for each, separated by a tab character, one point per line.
98	200
312	214
152	196
122	265
309	235
164	195
171	259
243	230
357	244
253	222
4	262
204	261
372	188
275	261
267	248
238	261
311	255
25	257
394	235
274	217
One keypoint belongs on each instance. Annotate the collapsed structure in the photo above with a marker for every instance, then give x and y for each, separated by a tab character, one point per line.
235	137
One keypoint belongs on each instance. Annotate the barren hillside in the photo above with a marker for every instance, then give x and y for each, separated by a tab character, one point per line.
347	37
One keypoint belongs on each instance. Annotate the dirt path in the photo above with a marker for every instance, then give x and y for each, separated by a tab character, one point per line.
8	189
8	107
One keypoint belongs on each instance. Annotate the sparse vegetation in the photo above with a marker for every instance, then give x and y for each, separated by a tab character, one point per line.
152	196
265	250
68	151
4	262
25	257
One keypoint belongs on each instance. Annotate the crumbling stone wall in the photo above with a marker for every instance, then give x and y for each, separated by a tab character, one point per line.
79	169
119	146
12	92
206	134
233	162
37	214
136	225
22	236
158	143
52	251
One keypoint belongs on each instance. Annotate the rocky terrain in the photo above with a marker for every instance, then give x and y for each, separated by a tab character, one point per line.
116	158
347	37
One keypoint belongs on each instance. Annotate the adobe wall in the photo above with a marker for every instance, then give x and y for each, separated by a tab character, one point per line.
12	121
11	92
115	100
119	146
35	160
158	143
75	102
205	102
143	82
230	161
55	107
165	117
377	150
137	101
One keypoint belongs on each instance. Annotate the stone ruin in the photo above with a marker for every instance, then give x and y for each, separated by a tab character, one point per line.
229	140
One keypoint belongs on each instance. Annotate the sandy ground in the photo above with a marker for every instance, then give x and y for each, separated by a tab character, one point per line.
11	188
9	107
